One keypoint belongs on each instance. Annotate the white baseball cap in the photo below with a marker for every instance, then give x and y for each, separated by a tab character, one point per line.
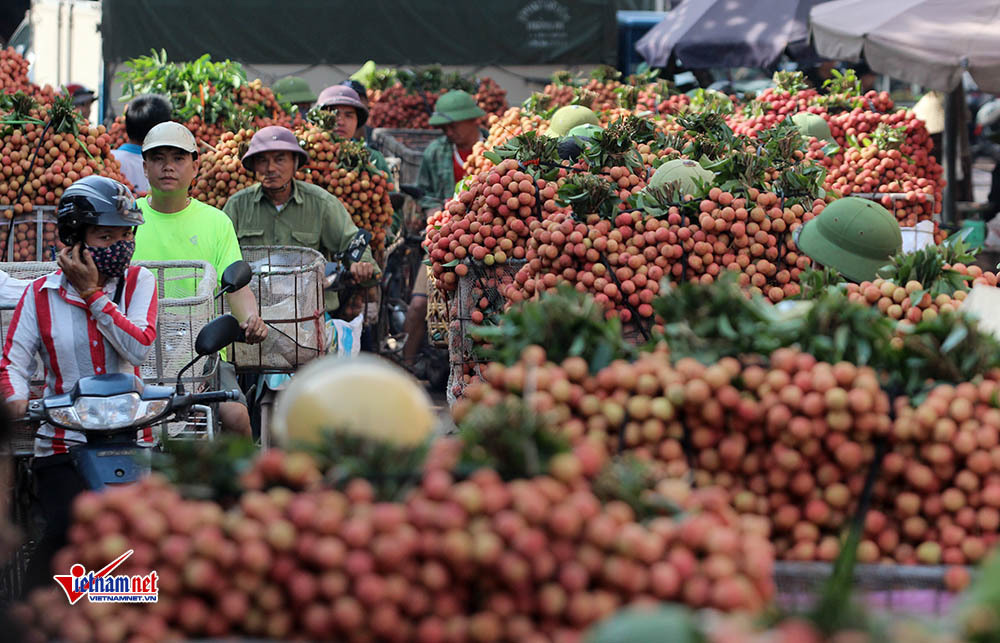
170	134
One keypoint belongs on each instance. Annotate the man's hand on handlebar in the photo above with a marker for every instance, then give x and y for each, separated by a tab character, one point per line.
254	329
362	271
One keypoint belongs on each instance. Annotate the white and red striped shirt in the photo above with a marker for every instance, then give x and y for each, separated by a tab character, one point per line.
76	339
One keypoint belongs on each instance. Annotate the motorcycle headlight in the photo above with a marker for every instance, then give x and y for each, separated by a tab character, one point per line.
115	412
107	412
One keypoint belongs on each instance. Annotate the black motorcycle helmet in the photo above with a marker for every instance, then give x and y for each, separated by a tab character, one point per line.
95	200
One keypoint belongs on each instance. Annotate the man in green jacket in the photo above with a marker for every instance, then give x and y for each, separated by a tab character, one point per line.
442	166
456	113
282	211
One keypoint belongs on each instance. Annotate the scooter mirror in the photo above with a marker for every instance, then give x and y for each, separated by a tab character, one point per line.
357	246
217	334
237	275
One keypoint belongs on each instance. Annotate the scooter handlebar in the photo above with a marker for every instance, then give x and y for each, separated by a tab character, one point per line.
211	397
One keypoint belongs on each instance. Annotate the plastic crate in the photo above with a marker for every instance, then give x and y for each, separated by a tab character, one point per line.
288	284
34	234
407	145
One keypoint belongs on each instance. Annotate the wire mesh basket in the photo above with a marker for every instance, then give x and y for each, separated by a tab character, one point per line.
459	378
437	313
288	284
405	144
479	297
33	235
186	299
185	291
914	590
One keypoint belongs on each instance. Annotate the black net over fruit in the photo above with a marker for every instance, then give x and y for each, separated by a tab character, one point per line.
478	300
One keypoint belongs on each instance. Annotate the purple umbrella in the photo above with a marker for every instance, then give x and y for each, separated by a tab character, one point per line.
729	33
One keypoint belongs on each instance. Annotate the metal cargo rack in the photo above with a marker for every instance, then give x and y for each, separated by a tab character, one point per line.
461	349
39	228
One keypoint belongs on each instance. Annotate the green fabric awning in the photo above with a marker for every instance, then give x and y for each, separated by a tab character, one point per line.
419	32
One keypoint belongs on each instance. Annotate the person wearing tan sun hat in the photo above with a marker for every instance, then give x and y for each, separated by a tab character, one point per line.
352	114
280	210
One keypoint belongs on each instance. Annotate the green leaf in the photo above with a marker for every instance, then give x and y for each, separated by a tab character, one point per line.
603	355
956	336
863	350
840	339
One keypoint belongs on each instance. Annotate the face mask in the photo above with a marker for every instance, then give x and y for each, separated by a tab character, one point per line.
113	260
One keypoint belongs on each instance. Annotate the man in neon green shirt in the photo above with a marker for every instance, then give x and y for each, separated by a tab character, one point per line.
181	228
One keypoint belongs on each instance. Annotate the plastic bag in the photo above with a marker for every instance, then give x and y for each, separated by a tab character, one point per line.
288	344
992	234
918	237
346	335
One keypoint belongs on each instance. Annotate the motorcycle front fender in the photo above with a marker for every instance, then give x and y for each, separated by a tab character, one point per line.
108	465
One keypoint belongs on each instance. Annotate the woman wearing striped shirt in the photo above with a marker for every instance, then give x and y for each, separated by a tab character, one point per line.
96	315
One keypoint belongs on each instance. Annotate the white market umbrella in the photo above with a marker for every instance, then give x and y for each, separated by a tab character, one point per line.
929	42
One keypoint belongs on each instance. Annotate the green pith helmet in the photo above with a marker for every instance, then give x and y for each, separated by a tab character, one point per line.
685	171
292	89
455	106
853	236
814	125
646	624
568	117
587	130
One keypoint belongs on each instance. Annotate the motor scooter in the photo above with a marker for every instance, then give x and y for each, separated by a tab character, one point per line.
110	409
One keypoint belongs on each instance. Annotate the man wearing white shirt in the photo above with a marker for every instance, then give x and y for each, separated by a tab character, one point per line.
143	113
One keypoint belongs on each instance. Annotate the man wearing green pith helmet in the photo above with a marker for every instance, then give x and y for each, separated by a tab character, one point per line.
295	90
442	166
853	236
